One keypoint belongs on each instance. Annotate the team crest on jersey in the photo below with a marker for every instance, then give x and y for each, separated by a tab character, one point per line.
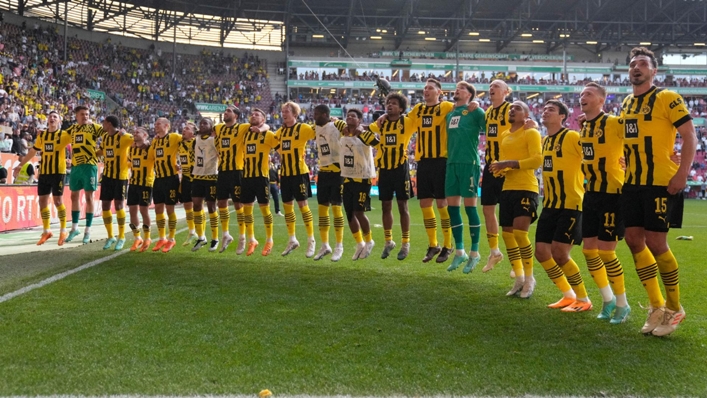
599	133
645	110
557	148
465	112
48	147
159	152
109	153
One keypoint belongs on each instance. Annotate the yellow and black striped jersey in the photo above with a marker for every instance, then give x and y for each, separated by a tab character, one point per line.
293	142
650	125
431	125
165	151
496	124
52	145
524	146
116	155
394	140
142	163
186	158
257	153
340	125
229	142
602	141
563	180
84	138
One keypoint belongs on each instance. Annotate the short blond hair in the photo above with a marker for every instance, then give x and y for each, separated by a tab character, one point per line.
597	86
293	107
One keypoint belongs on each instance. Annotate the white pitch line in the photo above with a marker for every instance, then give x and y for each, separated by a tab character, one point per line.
57	277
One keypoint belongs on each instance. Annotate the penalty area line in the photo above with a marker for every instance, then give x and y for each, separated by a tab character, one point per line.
60	276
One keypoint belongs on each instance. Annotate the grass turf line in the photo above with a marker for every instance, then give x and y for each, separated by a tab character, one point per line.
204	323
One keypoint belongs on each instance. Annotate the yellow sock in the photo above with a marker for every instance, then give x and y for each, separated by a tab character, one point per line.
446	226
136	231
358	237
46	218
554	272
574	278
248	219
240	215
647	270
668	266
614	271
190	219
526	251
308	219
406	237
430	221
172	225
338	223
388	233
225	218
199	223
161	225
267	219
324	224
513	252
493	241
368	237
61	212
596	267
213	223
146	232
290	218
120	215
108	222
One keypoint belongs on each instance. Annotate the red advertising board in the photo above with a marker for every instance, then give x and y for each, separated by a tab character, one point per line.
19	207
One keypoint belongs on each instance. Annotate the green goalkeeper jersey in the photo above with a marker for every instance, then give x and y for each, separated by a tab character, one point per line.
463	127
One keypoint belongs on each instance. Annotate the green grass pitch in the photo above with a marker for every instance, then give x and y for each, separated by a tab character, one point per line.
206	323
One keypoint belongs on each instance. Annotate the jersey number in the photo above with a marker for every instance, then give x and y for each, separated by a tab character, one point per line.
661	205
609	219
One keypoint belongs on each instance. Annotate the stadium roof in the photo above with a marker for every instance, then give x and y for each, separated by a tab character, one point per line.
596	24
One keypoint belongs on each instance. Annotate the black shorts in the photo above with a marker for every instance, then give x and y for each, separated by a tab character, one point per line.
228	185
139	195
255	188
50	184
559	225
650	207
517	204
113	189
329	187
165	190
295	188
395	182
491	188
204	189
602	216
356	197
430	178
185	187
